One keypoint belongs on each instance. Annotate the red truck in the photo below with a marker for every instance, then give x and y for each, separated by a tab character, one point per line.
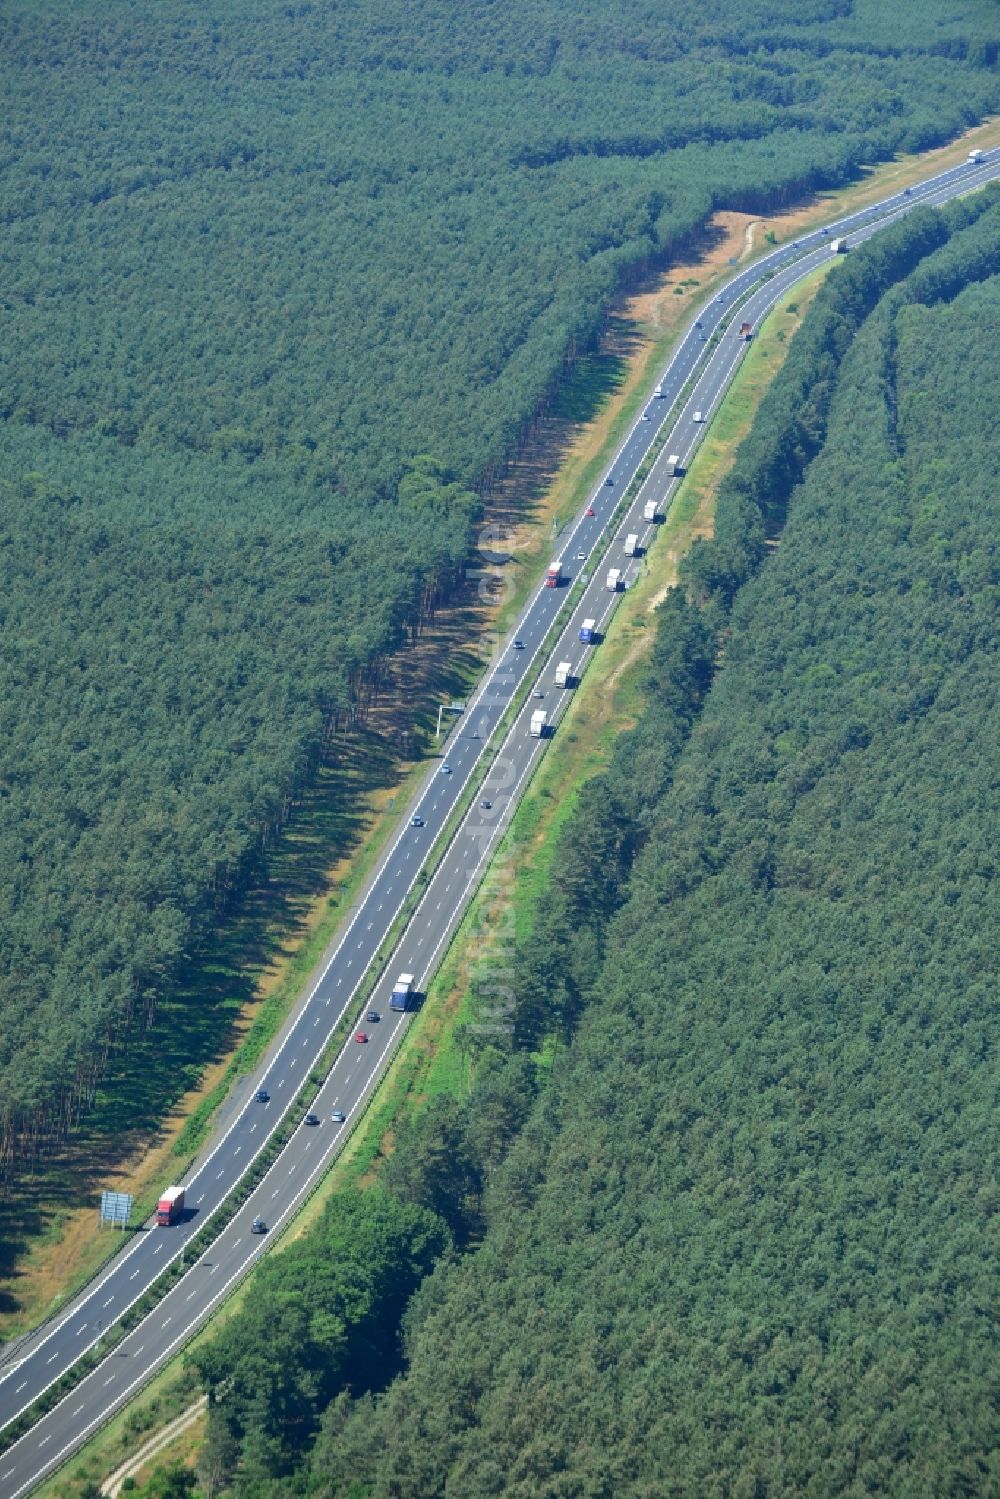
746	331
170	1207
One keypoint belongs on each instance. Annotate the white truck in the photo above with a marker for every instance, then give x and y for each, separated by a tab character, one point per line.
660	392
649	510
614	578
631	544
537	730
674	463
564	673
838	246
975	156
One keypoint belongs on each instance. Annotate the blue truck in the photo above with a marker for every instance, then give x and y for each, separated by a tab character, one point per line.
402	992
587	631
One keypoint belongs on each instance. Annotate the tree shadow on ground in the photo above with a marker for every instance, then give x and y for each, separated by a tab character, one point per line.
199	1023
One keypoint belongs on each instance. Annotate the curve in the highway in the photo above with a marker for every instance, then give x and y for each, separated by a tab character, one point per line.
700	369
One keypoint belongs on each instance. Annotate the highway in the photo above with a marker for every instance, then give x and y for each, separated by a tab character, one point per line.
482	753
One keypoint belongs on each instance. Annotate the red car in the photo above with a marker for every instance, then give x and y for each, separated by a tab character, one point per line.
361	1036
590	509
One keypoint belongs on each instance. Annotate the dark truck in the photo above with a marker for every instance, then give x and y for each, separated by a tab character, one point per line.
402	993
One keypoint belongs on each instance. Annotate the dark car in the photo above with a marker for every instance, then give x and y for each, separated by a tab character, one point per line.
361	1036
907	192
486	804
258	1226
338	1117
703	337
698	323
609	482
416	822
263	1096
373	1017
312	1118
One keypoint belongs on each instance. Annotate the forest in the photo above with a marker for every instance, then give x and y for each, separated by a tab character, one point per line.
738	1236
282	288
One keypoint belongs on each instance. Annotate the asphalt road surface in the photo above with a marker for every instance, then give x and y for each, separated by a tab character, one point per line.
476	753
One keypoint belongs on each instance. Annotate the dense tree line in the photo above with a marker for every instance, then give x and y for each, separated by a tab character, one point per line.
321	1313
268	233
169	689
739	1241
253	263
